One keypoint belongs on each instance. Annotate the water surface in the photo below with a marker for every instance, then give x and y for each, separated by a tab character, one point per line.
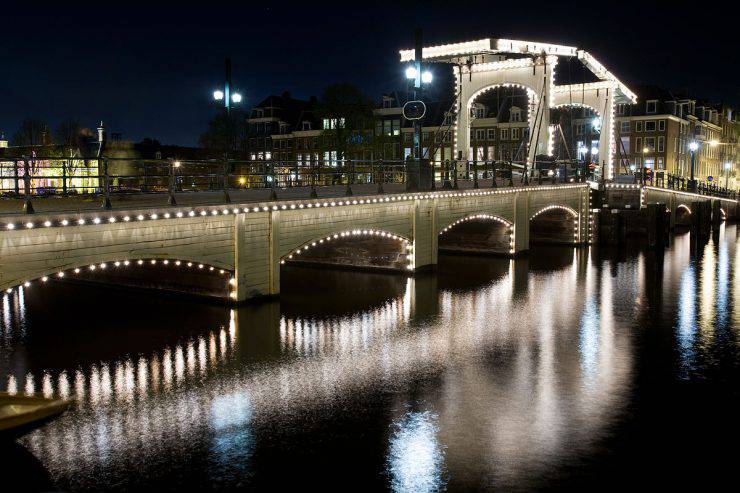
568	368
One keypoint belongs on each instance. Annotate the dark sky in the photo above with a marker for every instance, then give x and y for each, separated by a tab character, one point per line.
148	70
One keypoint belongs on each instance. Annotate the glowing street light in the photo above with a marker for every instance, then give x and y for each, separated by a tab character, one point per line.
411	72
693	147
596	124
226	95
426	77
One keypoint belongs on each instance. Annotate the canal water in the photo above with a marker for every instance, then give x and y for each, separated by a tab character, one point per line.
570	368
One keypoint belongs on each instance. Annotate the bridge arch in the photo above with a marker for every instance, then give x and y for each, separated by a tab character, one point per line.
683	215
478	233
121	269
555	223
377	248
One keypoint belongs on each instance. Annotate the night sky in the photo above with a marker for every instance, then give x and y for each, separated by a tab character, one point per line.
148	71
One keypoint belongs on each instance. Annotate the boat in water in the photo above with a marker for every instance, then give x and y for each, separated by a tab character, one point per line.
20	414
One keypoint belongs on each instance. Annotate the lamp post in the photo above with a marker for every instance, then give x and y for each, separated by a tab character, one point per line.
418	79
728	167
226	95
693	147
643	168
229	99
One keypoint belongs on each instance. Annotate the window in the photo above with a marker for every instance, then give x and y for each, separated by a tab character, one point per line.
330	158
516	115
258	113
387	127
661	164
651	106
661	144
448	119
650	126
514	134
491	134
387	103
625	145
638	144
478	111
638	126
332	123
480	134
491	153
580	129
408	137
306	126
624	127
621	109
661	125
650	143
504	134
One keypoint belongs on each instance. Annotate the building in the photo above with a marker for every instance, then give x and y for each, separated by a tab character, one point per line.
655	133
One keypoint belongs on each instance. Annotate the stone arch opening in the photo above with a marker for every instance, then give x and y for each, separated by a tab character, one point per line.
357	248
683	216
478	234
555	224
499	122
163	274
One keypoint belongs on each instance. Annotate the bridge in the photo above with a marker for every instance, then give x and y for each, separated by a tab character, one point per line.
243	246
236	251
485	64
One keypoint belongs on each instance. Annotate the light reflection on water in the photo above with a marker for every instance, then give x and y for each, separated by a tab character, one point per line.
530	366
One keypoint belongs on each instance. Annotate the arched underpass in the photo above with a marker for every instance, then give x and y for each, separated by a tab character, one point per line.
358	249
683	216
479	234
554	224
168	275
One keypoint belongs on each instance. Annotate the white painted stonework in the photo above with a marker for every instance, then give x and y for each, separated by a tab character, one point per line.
250	240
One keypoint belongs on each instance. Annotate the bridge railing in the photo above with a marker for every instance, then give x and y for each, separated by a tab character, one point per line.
107	176
681	183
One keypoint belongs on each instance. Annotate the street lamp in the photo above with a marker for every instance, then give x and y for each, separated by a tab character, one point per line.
418	78
693	147
728	167
227	96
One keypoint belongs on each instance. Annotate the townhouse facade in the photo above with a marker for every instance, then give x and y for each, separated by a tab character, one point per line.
657	131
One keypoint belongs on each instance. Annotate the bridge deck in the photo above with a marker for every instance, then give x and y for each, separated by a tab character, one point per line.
70	204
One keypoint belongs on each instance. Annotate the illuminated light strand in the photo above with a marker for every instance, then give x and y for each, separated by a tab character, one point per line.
118	264
97	220
351	233
489	217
